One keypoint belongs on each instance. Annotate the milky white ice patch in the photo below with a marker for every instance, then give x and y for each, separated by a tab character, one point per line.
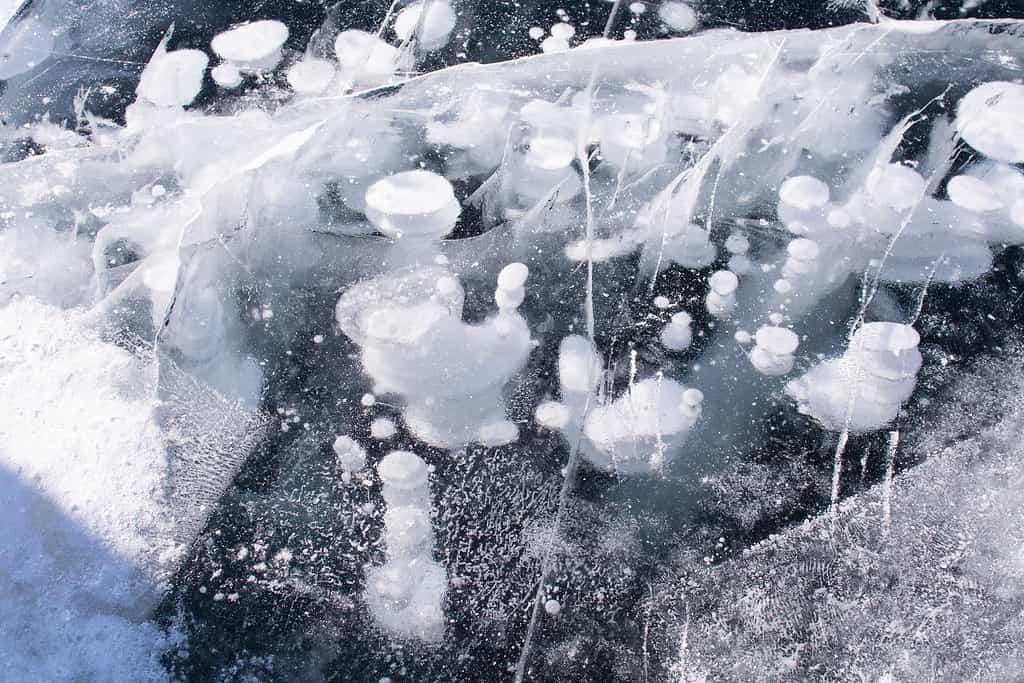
84	546
102	456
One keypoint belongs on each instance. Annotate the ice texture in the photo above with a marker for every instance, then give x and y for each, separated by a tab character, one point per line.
510	368
919	571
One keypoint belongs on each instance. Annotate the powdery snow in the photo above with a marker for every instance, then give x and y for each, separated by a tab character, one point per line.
82	470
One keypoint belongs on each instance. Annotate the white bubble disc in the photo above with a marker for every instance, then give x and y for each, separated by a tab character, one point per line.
803	249
990	118
693	397
895	185
403	470
508	298
552	414
1017	212
724	282
777	340
498	433
885	336
350	454
740	264
973	194
173	79
578	365
553	44
513	276
737	243
311	76
365	53
382	429
447	285
839	218
254	46
413	204
406	527
677	335
804	192
550	153
678	16
563	31
432	29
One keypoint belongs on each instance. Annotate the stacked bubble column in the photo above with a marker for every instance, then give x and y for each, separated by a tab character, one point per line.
406	593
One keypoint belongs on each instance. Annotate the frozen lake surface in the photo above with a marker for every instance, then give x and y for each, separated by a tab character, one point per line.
450	341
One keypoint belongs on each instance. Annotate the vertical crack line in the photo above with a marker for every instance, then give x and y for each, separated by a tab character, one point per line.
894	442
869	288
547	563
581	152
864	464
647	630
610	24
837	470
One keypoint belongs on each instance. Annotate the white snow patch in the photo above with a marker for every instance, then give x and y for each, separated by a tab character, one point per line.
85	543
